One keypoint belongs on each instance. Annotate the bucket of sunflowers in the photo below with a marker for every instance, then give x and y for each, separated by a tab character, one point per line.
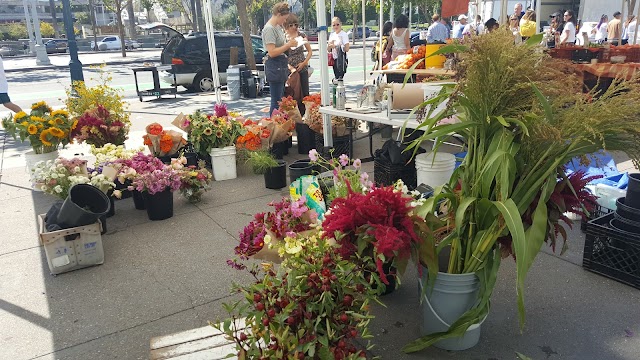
43	127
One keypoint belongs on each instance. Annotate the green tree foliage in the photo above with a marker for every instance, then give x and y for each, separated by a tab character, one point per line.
17	31
46	29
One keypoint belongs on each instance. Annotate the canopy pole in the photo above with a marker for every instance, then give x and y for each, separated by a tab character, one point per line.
504	12
321	15
380	30
213	57
536	8
364	42
622	20
635	31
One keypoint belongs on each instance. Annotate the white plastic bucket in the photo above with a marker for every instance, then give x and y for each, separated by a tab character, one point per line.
223	162
31	159
435	169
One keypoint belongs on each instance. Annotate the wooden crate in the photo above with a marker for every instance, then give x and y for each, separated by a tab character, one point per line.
205	343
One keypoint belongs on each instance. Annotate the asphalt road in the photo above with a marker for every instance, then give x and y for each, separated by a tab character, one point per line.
27	87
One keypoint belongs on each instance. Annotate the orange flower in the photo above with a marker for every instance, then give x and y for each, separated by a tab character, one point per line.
166	143
265	133
154	129
147	141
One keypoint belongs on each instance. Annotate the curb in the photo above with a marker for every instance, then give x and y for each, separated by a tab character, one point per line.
49	67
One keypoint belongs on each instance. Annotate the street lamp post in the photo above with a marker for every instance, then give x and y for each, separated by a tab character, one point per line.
75	66
41	51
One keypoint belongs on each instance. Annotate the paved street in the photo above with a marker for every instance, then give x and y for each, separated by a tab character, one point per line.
168	276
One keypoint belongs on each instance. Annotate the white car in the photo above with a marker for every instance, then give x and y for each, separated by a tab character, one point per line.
108	43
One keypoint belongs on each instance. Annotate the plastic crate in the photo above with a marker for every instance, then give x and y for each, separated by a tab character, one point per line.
598	211
612	253
385	173
73	248
341	145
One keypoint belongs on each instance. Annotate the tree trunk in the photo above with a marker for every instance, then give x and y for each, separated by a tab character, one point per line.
355	28
92	13
132	20
631	4
120	27
194	17
246	33
54	21
200	18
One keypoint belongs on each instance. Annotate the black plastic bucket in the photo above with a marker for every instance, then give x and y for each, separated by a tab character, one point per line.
633	191
159	205
276	177
84	205
306	138
300	168
138	200
627	212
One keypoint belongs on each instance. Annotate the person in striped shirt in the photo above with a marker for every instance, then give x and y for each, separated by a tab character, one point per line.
437	32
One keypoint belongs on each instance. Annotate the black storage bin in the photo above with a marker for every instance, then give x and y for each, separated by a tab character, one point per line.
341	145
612	253
385	173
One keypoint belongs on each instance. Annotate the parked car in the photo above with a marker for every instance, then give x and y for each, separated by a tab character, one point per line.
367	32
414	39
189	57
131	44
111	42
312	34
56	46
8	51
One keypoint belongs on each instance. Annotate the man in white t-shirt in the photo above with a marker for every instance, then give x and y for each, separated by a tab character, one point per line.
4	88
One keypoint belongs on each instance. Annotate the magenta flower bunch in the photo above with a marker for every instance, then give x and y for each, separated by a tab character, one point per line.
287	219
158	180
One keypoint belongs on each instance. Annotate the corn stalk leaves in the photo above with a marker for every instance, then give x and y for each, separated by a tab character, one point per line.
534	40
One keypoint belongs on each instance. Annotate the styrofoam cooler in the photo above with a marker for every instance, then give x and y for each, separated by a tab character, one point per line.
435	169
223	162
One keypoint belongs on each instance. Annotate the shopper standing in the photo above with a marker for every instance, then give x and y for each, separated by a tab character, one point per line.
276	66
614	28
399	42
568	35
298	61
339	47
600	30
4	89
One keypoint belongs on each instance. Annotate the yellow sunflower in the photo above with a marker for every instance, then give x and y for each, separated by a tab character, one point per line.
32	129
62	112
75	123
59	121
24	123
43	138
37	118
19	115
39	125
51	122
38	104
56	132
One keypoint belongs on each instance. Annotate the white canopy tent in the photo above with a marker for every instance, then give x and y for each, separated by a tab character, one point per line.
213	57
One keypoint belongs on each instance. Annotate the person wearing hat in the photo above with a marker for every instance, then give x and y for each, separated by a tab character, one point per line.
459	29
614	28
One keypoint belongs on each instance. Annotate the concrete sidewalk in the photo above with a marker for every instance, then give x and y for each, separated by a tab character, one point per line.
168	276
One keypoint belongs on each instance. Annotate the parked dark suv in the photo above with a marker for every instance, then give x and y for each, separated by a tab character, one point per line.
189	56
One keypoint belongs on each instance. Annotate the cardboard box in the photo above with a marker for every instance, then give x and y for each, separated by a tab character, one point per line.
73	248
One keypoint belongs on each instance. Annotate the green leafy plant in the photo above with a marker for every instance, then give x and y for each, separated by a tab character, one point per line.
261	161
315	305
524	116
